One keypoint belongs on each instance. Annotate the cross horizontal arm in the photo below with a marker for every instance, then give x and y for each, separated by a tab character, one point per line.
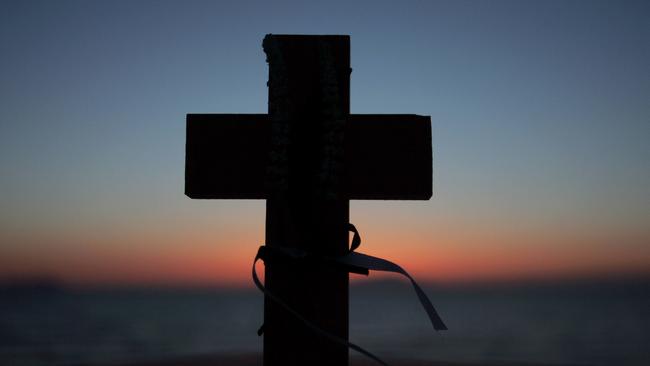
388	157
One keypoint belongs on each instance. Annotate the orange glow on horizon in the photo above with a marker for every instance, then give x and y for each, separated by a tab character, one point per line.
451	256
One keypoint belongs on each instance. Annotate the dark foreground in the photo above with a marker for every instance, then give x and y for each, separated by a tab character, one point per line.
256	360
597	323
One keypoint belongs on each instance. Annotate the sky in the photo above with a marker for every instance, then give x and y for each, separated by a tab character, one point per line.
540	113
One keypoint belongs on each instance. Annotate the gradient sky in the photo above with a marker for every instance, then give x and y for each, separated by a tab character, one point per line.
541	130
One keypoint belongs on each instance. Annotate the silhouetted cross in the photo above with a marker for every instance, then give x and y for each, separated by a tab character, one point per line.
308	157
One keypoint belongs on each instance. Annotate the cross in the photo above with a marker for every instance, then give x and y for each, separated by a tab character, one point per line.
308	157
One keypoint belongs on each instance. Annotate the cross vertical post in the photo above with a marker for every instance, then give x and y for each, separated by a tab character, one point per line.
306	207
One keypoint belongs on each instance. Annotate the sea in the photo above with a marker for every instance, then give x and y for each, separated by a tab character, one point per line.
603	322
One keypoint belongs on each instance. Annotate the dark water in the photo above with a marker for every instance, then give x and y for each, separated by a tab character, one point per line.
581	323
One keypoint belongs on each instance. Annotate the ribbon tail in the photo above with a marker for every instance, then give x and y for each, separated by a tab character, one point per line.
378	264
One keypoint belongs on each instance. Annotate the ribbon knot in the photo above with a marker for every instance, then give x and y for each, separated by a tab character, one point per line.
353	262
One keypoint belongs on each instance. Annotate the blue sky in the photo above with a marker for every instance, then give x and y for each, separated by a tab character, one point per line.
540	111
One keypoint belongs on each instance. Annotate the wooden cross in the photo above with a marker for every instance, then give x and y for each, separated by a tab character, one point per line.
308	157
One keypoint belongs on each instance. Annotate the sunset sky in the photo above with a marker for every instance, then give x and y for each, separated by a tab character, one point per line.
541	130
